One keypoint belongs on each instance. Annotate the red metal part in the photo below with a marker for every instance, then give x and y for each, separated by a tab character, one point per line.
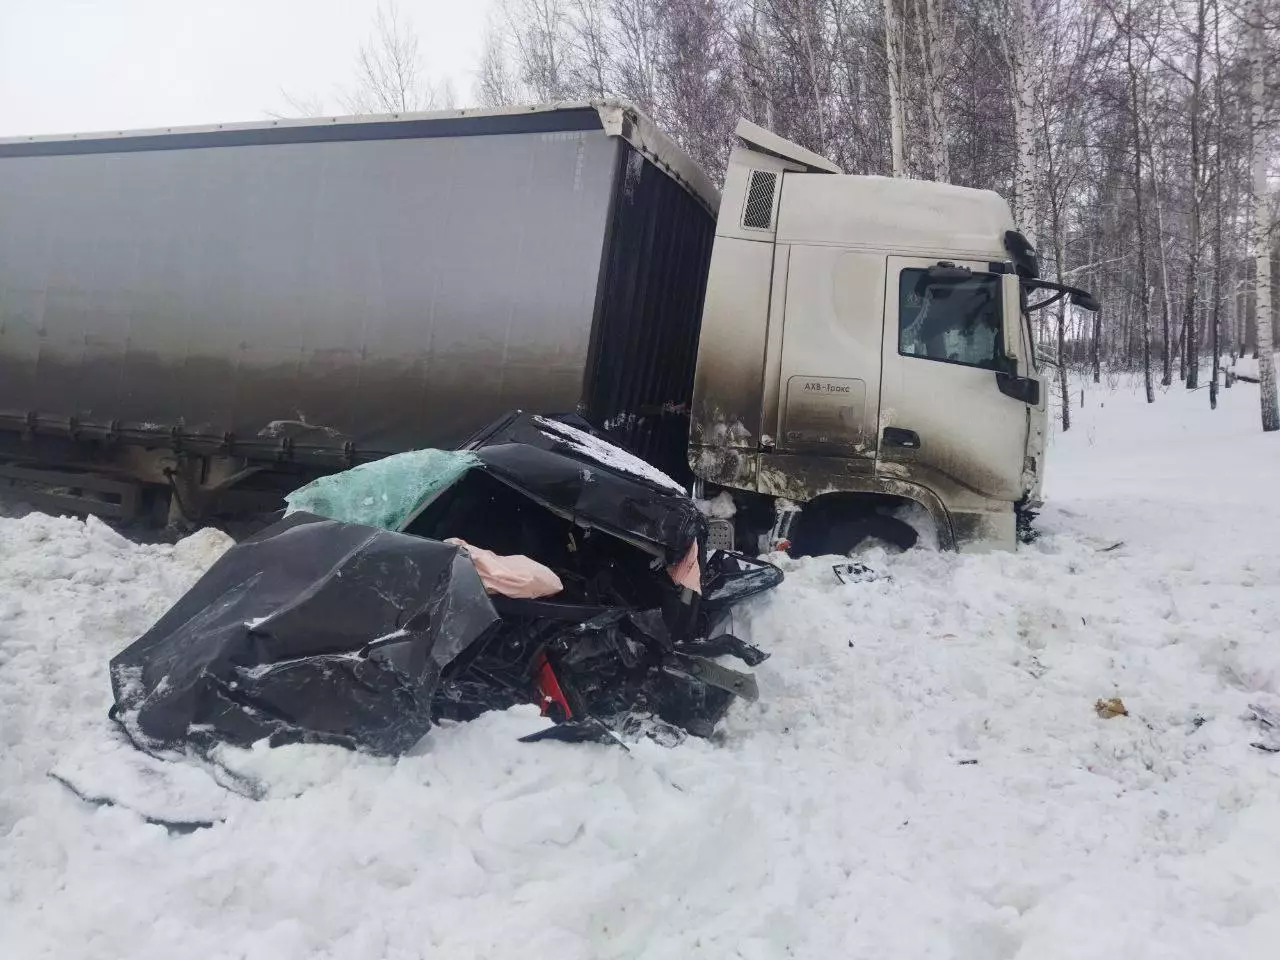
550	693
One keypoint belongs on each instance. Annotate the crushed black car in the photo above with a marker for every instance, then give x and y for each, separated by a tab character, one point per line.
378	606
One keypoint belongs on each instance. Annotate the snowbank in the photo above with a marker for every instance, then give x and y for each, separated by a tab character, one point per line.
1244	366
923	776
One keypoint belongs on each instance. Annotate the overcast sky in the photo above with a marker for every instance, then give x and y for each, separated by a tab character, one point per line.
80	65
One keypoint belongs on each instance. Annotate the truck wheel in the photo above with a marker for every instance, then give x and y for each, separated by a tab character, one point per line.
841	537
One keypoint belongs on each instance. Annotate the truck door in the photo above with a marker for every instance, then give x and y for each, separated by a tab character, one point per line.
829	369
944	419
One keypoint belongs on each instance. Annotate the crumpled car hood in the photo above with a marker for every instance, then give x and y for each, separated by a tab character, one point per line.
313	630
352	622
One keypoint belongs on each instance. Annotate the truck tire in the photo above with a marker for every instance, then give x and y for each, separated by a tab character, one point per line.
821	536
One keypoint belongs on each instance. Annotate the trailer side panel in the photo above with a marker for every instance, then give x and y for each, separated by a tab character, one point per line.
366	295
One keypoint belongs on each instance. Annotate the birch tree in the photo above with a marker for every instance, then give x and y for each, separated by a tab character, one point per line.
1263	210
1191	301
1020	40
696	80
539	35
800	34
1219	125
1137	103
935	46
893	54
1166	319
590	67
637	37
496	84
389	75
1070	53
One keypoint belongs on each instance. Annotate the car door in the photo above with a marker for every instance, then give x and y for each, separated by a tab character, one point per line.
829	368
943	417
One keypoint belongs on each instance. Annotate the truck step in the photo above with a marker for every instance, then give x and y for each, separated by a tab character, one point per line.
720	535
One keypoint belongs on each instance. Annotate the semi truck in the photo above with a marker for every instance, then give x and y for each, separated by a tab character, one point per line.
194	321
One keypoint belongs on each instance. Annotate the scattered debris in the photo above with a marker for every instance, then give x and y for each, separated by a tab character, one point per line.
1268	718
532	567
1269	721
857	572
1110	709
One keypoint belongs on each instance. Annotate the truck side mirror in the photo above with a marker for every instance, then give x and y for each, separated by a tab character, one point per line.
1026	389
1011	323
1085	301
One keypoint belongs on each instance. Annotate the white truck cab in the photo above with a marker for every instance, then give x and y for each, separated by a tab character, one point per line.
865	344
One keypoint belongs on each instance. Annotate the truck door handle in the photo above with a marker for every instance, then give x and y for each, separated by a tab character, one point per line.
897	437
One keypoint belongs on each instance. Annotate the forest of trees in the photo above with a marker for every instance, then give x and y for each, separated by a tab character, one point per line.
1133	137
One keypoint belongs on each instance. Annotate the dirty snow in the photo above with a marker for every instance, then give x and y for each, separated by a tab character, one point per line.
924	776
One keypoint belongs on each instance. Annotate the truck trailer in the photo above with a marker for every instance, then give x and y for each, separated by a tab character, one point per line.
194	321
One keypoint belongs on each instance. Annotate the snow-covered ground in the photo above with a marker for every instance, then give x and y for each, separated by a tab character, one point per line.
924	775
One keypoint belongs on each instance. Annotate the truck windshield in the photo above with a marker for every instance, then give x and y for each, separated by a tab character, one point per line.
955	321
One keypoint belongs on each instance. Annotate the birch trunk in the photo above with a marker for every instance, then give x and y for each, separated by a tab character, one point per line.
1144	287
1166	352
1024	115
1096	346
1062	365
935	65
815	82
1261	236
1095	332
892	57
1216	294
1192	307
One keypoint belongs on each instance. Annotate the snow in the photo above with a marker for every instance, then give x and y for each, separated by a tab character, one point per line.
924	775
606	453
1246	366
721	507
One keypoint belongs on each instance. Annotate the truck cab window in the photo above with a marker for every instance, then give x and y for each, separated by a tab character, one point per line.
955	321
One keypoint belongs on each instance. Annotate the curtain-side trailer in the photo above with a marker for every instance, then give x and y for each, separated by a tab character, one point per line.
237	307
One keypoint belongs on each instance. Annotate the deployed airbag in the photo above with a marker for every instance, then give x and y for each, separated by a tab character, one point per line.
511	576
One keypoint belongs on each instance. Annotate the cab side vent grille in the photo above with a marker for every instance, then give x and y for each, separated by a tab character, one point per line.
759	212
